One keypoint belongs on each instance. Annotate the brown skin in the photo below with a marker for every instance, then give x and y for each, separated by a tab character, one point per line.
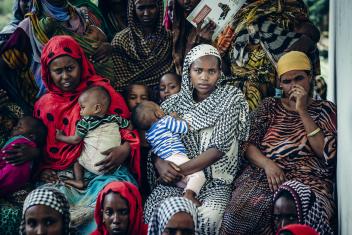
152	113
91	104
78	182
22	153
136	95
169	85
180	223
115	214
285	213
296	86
65	72
24	127
43	220
204	73
188	5
206	33
147	14
25	6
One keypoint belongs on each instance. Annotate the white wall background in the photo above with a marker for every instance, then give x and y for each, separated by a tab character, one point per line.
340	54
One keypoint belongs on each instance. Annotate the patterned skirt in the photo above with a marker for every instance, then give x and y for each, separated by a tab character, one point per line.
250	208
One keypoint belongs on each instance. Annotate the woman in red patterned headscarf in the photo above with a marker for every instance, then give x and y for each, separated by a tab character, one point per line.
119	208
66	73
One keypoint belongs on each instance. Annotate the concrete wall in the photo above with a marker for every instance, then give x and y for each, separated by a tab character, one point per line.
341	70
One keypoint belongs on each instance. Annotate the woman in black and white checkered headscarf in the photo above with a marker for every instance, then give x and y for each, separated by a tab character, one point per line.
218	123
166	210
51	198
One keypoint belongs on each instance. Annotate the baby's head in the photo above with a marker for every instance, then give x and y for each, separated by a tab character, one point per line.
94	101
145	114
31	128
170	84
95	33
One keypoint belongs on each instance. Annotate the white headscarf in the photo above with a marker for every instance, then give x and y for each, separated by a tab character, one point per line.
166	210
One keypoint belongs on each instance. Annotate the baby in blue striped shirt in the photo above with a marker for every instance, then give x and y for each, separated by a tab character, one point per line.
163	133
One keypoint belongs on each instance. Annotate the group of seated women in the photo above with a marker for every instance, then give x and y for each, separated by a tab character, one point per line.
178	152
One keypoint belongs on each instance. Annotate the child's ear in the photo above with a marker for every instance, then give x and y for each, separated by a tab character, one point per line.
98	108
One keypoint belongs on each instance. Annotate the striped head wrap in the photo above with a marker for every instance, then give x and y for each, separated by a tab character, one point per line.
166	210
52	198
309	208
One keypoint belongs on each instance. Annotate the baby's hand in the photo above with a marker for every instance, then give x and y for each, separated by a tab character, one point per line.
59	134
174	115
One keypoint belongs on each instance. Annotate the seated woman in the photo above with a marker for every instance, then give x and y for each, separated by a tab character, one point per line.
66	73
119	210
45	211
218	116
174	215
47	19
292	138
295	203
19	10
142	51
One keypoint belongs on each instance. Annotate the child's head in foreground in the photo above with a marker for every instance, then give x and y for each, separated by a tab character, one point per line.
145	114
94	101
31	128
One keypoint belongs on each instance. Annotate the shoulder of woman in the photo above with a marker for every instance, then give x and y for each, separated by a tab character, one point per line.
233	94
120	37
328	104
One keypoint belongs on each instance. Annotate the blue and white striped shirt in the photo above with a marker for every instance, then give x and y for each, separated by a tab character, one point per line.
164	136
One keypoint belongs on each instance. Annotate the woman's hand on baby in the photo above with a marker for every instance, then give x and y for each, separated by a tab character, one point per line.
20	154
102	53
169	172
115	157
49	176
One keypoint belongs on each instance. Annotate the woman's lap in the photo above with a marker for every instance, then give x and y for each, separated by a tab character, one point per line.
250	207
214	197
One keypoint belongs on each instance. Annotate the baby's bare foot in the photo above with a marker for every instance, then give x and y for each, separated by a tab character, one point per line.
189	194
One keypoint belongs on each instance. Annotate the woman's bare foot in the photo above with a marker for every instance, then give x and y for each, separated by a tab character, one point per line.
189	194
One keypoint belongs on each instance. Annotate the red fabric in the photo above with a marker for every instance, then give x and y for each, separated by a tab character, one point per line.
13	177
60	110
167	20
298	229
131	194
